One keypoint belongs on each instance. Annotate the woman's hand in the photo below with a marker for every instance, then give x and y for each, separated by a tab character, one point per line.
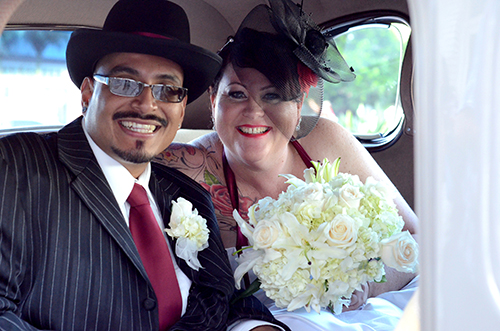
359	298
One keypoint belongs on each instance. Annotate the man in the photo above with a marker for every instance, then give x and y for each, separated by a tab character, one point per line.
68	259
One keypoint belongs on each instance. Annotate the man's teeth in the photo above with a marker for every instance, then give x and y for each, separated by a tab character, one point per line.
253	130
142	128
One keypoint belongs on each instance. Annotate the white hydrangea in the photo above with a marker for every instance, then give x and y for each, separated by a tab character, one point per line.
323	238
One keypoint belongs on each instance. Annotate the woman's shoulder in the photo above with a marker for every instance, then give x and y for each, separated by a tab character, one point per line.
328	139
209	142
194	158
328	127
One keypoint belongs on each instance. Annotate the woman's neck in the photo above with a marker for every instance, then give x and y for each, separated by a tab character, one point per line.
260	179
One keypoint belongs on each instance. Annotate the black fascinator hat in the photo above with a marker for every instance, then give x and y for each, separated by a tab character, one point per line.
152	27
285	45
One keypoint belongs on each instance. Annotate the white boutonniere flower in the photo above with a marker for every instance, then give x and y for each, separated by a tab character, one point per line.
190	230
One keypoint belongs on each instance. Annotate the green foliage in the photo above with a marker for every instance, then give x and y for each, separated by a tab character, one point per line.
367	105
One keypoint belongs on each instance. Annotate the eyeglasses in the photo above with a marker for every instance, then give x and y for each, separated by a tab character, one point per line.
126	87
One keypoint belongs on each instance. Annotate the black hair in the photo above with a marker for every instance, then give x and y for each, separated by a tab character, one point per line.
270	54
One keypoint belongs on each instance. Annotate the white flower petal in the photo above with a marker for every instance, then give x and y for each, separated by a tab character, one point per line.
187	250
246	229
246	262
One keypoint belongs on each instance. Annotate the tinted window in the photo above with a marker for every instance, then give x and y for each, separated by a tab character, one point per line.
35	88
370	105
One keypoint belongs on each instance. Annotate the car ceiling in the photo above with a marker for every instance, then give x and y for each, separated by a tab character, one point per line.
212	21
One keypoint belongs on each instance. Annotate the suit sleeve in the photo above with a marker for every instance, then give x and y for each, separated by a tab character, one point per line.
14	246
251	308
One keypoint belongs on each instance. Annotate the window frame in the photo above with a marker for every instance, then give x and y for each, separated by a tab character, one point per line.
333	28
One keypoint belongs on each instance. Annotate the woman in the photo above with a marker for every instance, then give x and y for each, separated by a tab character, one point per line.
269	80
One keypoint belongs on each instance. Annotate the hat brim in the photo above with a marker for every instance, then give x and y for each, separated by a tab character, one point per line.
87	46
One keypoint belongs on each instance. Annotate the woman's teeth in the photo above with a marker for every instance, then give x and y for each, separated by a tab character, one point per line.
253	130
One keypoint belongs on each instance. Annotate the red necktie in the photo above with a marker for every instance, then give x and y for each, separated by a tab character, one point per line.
155	257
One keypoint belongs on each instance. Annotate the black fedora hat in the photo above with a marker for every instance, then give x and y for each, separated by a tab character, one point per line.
153	27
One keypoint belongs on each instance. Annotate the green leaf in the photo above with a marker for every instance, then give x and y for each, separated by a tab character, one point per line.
254	287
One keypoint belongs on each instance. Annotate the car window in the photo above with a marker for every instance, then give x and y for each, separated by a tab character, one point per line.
35	88
36	91
370	105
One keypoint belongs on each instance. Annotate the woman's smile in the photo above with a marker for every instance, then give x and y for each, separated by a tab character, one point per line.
250	130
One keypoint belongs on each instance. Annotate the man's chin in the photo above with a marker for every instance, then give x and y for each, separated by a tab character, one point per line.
136	157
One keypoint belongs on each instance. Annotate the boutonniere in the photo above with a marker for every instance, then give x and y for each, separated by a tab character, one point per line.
190	230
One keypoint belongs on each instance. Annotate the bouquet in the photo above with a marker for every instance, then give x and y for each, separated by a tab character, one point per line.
323	238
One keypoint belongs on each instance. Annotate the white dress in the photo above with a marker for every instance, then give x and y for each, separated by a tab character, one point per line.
381	313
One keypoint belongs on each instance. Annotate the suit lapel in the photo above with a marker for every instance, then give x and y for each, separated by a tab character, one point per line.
91	185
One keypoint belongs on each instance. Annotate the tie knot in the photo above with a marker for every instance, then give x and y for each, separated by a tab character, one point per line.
138	196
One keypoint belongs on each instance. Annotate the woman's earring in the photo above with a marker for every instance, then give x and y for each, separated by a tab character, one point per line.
297	128
178	126
84	108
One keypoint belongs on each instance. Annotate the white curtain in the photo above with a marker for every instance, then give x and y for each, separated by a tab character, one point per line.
457	103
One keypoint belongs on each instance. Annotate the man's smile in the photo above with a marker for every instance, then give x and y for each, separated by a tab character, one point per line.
138	127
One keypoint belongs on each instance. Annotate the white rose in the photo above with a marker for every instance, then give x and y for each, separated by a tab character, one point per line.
341	232
265	234
400	252
350	196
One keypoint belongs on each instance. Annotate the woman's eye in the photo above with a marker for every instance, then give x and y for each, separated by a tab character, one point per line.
272	97
237	95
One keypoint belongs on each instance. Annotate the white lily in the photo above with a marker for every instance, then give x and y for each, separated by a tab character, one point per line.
246	261
246	229
311	297
292	180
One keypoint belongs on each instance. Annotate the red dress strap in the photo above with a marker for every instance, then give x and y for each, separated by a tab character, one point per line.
302	152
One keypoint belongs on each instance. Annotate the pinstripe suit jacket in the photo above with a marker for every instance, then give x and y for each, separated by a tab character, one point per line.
67	258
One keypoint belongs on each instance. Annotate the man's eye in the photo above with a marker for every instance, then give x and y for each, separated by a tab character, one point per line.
237	95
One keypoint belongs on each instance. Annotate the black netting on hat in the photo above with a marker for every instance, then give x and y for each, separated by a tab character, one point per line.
287	47
264	51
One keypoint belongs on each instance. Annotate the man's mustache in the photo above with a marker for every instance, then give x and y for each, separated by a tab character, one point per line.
133	114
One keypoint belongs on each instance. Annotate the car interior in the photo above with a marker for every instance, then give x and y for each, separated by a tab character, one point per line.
33	45
373	36
441	55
